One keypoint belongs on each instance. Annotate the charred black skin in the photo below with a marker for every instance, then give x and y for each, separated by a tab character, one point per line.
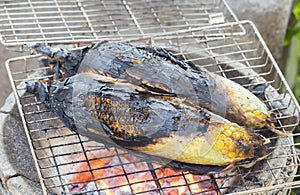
115	59
57	103
62	59
106	60
137	65
58	97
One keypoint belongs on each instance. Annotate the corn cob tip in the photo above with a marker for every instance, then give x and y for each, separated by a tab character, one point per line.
235	142
270	126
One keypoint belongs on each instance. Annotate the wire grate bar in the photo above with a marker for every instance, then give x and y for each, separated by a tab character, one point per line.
54	21
61	154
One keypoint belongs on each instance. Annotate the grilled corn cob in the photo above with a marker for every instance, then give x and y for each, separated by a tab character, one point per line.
160	71
115	111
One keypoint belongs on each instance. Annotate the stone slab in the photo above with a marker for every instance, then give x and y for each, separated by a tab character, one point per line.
20	186
17	170
271	18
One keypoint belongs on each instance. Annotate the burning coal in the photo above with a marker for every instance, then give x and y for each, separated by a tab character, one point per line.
107	173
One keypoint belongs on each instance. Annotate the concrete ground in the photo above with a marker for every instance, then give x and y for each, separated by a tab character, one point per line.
271	18
5	88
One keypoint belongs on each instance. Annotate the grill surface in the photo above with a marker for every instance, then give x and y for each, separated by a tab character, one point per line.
195	31
243	58
66	21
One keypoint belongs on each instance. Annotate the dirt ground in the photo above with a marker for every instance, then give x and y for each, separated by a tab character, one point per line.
5	87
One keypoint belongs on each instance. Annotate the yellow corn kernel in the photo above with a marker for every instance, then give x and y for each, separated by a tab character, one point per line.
237	135
116	125
107	101
221	137
232	155
233	129
258	113
227	133
246	137
219	144
224	151
225	127
228	141
231	147
136	60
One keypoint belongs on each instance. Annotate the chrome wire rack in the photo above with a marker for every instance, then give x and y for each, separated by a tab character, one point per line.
64	21
206	33
65	160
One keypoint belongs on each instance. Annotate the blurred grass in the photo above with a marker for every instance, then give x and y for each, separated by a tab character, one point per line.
294	81
296	90
292	40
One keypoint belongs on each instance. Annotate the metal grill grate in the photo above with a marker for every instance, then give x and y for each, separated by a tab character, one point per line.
63	21
243	58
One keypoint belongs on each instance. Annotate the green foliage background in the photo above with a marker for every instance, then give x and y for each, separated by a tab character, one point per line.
293	33
294	28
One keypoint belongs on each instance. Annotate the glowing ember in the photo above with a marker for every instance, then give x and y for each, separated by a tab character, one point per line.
125	174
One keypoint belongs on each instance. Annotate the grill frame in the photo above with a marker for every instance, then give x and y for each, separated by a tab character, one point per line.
209	34
82	21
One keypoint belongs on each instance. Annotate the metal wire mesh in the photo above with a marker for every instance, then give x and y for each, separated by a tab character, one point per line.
66	21
244	58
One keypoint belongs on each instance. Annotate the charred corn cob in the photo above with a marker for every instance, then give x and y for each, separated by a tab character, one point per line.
115	111
160	71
